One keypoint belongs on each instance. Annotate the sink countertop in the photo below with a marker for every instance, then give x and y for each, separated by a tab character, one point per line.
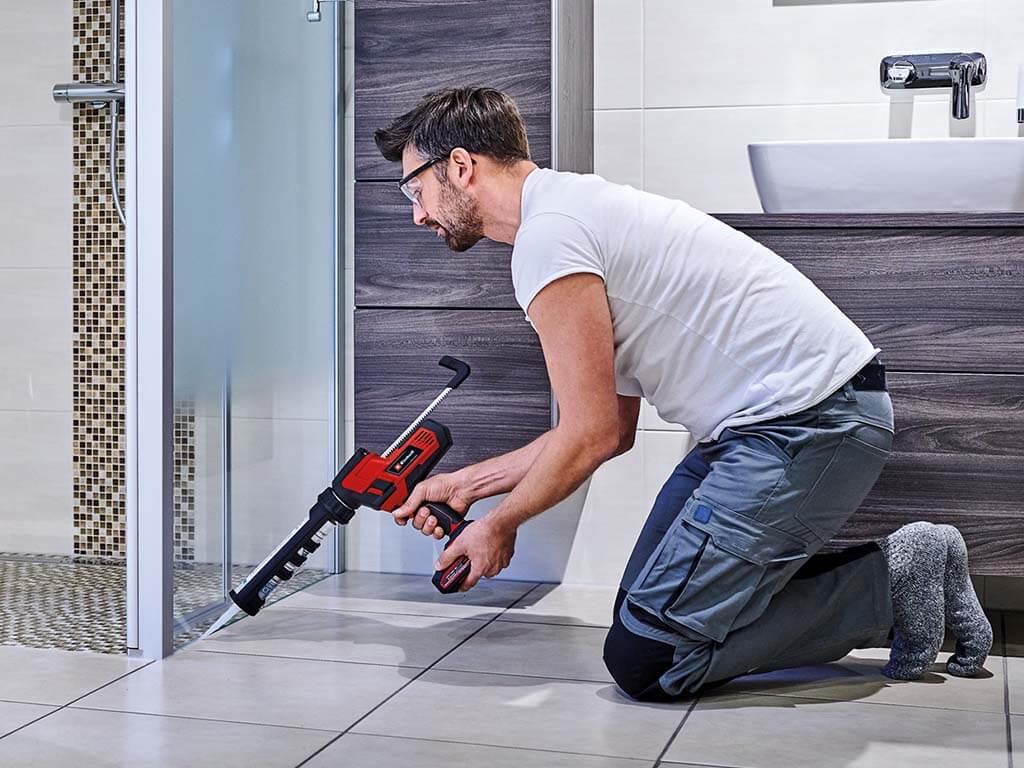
869	220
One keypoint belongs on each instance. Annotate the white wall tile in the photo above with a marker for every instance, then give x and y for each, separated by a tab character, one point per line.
662	453
35	339
700	155
1000	118
618	54
35	476
278	468
1004	46
732	52
649	419
618	146
35	53
35	196
613	514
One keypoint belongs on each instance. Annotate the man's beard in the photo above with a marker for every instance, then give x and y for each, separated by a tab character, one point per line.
465	227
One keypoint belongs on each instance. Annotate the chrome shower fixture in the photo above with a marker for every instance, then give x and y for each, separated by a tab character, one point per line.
315	15
99	94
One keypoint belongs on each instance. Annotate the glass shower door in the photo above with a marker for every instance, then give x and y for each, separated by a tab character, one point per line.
255	247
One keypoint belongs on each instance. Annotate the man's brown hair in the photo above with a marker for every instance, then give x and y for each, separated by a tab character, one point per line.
484	121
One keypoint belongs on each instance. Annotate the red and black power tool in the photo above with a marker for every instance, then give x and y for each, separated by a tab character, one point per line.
382	482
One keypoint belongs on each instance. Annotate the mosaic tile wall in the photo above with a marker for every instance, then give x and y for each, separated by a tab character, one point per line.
184	481
98	440
98	308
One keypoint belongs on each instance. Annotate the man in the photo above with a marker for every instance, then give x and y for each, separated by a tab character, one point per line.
631	295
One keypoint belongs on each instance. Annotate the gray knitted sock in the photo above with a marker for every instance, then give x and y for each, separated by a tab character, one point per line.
916	555
963	611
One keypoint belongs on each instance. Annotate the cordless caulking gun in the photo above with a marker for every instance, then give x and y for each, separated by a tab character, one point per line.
366	480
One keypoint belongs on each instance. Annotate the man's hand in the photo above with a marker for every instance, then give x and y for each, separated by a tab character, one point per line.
488	546
448	487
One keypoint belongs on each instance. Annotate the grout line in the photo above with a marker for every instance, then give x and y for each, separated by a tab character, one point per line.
89	693
406	685
400	666
1006	694
499	746
675	733
886	103
199	719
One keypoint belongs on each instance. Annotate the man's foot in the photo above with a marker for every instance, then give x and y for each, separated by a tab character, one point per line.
916	556
963	611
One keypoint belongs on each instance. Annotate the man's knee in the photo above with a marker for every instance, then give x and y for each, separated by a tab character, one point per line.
636	662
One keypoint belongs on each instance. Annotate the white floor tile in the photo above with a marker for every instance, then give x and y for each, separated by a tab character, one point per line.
14	715
78	737
49	676
253	689
539	650
781	732
1015	685
356	750
369	638
858	678
565	604
398	594
500	710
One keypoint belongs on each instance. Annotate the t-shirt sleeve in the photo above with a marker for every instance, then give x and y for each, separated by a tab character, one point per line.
549	246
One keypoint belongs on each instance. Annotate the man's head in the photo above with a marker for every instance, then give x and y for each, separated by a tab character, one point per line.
451	145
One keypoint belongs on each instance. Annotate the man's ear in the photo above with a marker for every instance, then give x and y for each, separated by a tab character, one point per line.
461	163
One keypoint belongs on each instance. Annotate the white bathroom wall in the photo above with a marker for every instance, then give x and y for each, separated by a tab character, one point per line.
35	279
682	87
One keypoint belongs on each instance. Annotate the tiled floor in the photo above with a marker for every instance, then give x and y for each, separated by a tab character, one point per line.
78	604
375	669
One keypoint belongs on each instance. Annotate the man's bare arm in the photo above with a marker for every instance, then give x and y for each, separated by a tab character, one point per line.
502	473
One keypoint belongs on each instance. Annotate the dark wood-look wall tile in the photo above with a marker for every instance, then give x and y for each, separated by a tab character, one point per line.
995	543
958	458
504	404
405	49
932	299
399	264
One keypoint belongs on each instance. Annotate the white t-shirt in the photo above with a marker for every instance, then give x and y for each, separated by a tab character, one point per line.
711	327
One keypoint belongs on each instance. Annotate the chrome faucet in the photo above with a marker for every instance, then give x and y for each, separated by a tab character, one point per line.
959	71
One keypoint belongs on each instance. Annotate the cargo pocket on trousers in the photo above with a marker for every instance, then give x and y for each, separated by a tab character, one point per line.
847	478
709	566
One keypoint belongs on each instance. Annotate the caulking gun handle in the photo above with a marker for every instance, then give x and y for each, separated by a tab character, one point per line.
450	579
447	518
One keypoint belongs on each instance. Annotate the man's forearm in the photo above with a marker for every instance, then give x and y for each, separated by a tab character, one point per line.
562	466
502	473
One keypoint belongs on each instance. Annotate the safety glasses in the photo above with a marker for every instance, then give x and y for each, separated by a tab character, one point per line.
410	190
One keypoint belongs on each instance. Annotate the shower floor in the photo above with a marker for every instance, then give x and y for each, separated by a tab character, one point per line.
49	601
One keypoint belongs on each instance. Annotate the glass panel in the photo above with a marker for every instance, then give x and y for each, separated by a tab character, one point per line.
254	228
62	396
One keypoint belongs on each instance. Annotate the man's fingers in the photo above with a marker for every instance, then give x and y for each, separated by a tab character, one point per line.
408	509
429	526
449	555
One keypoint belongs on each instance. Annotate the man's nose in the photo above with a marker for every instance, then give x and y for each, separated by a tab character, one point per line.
419	216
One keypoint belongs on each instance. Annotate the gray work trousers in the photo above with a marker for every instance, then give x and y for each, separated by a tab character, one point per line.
724	578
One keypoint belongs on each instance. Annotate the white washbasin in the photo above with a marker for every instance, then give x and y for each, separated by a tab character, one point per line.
889	175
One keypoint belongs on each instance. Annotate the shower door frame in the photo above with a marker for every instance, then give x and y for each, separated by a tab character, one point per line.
149	321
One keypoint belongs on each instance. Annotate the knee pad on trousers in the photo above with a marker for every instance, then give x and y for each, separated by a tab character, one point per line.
636	662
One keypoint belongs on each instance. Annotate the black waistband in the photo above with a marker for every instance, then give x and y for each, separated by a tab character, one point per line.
870	377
